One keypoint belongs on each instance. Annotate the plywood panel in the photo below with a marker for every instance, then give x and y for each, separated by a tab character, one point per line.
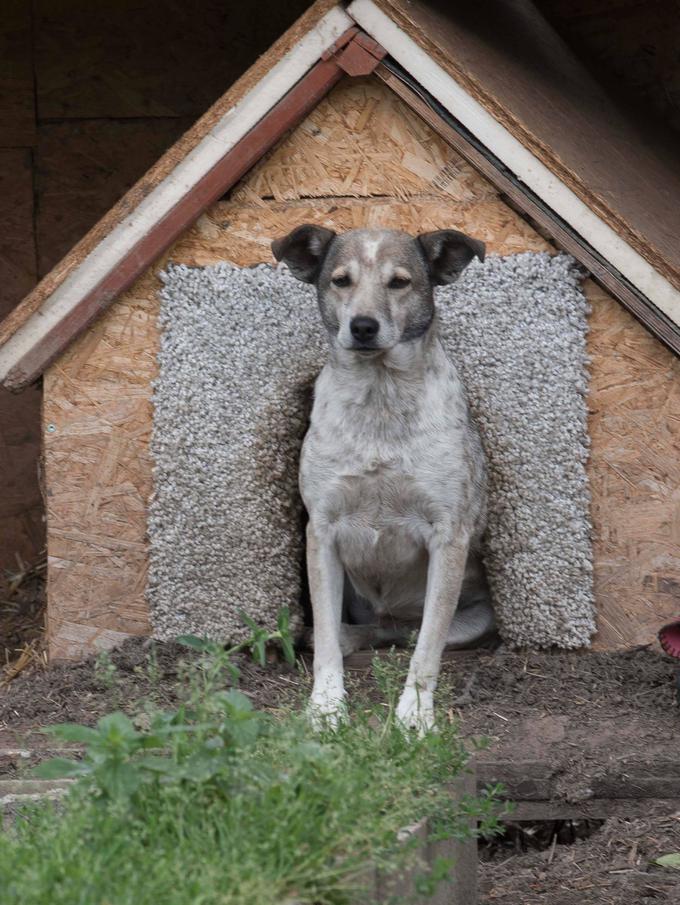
98	396
359	142
635	476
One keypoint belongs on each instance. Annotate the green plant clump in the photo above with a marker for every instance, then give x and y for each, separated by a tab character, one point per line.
219	804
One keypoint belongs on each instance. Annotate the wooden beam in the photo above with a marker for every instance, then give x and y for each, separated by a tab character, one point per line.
218	180
231	118
594	809
527	203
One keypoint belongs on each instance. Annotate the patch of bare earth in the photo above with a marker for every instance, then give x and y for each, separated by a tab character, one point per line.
591	720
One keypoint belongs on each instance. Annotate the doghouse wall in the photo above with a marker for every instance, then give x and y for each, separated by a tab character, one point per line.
360	159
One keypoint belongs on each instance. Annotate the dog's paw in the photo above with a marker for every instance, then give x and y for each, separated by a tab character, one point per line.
416	710
326	708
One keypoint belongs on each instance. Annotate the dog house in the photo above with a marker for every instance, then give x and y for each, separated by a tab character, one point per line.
386	113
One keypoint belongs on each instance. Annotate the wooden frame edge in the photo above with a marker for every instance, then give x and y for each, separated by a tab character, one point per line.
30	343
524	165
529	205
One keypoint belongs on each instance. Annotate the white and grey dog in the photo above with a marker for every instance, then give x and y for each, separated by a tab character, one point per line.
392	470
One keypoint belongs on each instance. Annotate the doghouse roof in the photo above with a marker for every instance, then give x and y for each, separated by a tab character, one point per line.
492	79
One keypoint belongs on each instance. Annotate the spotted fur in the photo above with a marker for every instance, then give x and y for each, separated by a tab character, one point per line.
392	470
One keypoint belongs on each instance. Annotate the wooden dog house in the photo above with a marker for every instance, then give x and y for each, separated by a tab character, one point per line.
384	113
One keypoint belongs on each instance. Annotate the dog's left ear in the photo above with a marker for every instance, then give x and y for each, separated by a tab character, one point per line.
448	253
304	250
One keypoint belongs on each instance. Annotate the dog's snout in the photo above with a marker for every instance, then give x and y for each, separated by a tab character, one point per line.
364	329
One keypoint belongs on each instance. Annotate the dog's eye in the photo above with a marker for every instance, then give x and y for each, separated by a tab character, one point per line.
398	282
342	279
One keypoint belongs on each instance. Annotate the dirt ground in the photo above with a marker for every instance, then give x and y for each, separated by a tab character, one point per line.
590	717
614	866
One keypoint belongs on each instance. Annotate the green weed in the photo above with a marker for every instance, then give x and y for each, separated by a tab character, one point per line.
215	803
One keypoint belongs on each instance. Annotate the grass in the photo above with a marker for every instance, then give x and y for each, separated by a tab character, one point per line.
218	804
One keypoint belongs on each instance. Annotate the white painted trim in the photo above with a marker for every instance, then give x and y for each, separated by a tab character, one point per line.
517	158
225	134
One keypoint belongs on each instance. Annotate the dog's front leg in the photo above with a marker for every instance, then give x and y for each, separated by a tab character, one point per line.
326	578
444	580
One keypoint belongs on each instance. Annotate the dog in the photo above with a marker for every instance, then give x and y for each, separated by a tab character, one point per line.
392	470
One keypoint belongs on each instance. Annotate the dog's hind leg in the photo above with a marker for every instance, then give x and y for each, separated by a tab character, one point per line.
326	578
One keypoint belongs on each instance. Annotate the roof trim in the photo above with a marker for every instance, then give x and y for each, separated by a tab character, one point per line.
517	158
274	95
34	342
523	199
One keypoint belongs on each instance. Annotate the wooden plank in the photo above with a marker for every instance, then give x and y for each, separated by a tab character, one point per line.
144	58
17	105
595	809
530	205
539	780
509	59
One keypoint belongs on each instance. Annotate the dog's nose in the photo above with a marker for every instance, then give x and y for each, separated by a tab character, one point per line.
364	329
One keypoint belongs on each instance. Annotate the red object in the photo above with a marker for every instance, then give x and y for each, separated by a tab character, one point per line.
669	636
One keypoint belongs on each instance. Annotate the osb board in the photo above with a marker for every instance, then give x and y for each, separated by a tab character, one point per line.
635	476
84	167
149	58
160	170
17	109
97	397
21	523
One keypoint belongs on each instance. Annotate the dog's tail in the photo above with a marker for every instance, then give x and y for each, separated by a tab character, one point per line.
473	624
474	621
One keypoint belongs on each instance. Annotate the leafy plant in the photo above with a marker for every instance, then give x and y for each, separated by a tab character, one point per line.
672	861
218	803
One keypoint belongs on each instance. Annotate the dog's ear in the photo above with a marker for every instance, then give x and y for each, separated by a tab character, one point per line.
448	253
304	250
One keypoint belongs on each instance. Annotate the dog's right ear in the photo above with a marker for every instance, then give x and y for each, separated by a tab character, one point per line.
304	250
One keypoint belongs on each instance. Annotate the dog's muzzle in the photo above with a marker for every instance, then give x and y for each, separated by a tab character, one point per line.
364	331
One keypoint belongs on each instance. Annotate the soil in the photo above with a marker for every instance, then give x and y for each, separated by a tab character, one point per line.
614	866
588	717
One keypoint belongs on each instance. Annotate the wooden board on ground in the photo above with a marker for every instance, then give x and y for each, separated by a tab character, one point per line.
98	395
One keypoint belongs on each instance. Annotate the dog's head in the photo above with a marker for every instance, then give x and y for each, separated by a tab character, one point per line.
375	285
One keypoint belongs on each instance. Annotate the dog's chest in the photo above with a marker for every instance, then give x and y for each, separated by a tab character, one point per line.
390	472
